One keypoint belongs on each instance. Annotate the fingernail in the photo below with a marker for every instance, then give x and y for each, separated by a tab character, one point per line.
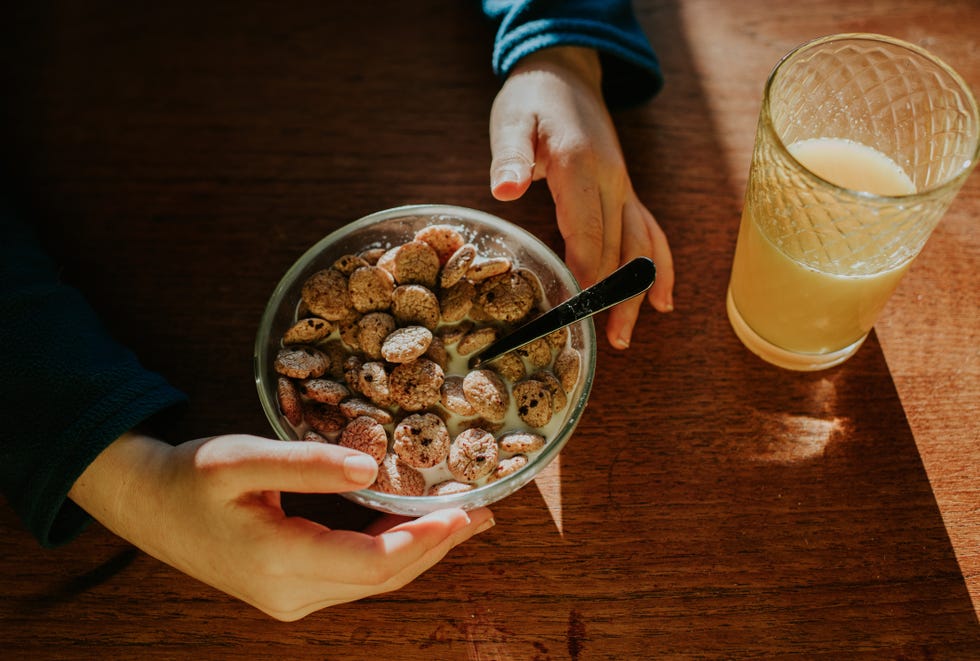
504	176
666	306
360	468
623	341
486	525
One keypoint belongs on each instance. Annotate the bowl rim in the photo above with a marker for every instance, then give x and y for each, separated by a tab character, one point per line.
490	492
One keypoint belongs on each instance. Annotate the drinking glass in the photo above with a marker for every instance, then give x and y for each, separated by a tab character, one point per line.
862	143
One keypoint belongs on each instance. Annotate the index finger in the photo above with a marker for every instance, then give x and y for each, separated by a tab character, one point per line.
240	464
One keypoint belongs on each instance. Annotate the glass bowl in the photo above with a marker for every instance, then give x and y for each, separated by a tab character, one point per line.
492	236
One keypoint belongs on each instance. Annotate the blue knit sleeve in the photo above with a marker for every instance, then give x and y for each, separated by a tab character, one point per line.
67	390
630	70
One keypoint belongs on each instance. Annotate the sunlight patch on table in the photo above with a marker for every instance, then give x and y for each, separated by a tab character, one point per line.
548	482
786	438
793	438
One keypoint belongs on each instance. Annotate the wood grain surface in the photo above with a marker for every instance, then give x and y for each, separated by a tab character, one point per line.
180	156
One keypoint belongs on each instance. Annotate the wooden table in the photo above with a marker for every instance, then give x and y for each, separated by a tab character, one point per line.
182	155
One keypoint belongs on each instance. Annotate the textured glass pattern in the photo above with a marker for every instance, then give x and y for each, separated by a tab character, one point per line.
879	92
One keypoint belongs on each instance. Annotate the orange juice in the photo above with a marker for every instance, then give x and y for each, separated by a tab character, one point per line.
798	309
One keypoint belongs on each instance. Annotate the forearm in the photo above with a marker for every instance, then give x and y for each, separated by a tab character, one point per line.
68	389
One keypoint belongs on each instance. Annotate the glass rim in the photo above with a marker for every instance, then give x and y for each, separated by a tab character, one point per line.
951	182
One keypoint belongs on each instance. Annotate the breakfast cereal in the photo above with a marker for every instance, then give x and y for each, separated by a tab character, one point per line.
301	362
506	297
322	390
347	264
415	262
406	344
348	327
372	329
510	366
372	382
567	367
444	239
476	339
437	353
558	396
484	268
449	487
473	455
352	373
397	477
376	362
421	440
456	300
366	435
533	402
415	304
506	467
558	339
453	398
521	442
314	437
457	265
452	334
354	407
307	331
325	419
336	355
416	385
325	294
487	392
372	255
536	352
290	402
370	288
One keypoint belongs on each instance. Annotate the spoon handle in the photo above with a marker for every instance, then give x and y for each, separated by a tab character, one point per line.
631	279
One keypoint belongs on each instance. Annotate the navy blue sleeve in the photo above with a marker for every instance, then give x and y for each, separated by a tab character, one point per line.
67	390
630	70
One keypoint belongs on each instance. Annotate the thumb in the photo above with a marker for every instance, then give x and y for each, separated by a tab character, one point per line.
512	149
242	464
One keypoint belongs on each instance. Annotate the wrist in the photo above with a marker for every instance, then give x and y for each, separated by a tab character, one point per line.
582	63
110	488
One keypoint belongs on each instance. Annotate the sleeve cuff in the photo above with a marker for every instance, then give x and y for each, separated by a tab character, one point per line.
56	519
631	71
